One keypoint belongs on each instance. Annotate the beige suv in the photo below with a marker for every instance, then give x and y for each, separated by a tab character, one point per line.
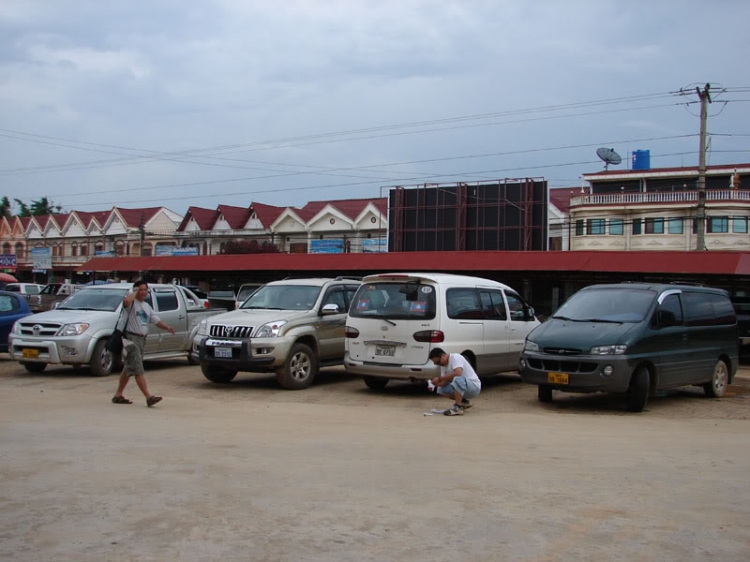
291	327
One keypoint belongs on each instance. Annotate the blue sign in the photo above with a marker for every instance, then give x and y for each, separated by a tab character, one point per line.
184	251
326	246
374	245
105	253
42	258
7	261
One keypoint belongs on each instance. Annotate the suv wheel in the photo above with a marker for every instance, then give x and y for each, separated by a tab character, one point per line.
300	368
376	383
34	367
719	380
218	374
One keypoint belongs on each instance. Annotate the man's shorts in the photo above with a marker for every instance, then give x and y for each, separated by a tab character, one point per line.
465	388
132	353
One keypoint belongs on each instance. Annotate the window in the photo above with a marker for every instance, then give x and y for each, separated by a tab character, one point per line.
675	226
167	300
9	304
84	249
708	309
739	225
595	226
350	291
580	231
615	227
493	305
654	226
19	250
672	306
392	300
463	304
717	225
636	226
516	306
336	296
74	250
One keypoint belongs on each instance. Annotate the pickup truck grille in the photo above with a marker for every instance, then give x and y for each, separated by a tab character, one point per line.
222	331
39	329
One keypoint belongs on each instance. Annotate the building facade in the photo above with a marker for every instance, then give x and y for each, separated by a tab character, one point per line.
656	210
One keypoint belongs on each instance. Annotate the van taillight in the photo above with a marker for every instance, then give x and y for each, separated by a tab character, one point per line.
432	336
206	305
350	332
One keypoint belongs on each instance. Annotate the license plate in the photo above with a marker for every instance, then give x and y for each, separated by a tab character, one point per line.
385	350
30	353
225	352
557	378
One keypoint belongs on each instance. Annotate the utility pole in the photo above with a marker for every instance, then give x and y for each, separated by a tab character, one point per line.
142	235
705	98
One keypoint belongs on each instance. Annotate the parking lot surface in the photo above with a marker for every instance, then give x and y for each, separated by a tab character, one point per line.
247	471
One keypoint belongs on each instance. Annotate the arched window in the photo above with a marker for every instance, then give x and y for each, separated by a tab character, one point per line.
83	249
99	247
147	250
74	249
20	254
54	251
120	248
6	248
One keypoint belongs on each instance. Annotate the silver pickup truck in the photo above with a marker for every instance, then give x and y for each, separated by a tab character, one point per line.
77	330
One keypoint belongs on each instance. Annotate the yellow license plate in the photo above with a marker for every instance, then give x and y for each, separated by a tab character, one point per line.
30	353
557	378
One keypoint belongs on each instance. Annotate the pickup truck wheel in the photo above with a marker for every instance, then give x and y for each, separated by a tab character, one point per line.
544	393
102	361
218	374
34	367
719	380
300	368
376	383
639	389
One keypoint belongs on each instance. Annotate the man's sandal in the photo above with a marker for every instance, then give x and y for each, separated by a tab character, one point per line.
121	400
153	400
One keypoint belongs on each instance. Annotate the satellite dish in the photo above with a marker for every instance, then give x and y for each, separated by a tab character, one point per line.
609	156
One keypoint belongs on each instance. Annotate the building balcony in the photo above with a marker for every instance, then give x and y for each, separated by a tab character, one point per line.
660	198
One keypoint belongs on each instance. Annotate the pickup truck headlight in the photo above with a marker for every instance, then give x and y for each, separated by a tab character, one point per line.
270	330
531	346
73	329
203	328
16	327
609	349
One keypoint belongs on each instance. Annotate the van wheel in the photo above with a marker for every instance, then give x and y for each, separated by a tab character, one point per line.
218	374
376	383
102	361
544	393
34	367
300	368
718	385
639	388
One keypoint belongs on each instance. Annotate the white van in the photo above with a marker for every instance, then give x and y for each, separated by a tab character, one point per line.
396	319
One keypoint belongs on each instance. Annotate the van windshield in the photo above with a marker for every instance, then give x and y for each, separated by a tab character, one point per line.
94	299
406	301
283	297
607	305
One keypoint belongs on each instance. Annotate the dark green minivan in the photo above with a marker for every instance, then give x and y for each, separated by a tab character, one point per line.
634	339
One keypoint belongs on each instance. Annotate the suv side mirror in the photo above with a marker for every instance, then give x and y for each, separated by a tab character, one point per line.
330	309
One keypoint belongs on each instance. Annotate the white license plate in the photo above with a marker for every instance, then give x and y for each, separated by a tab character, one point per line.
225	352
385	350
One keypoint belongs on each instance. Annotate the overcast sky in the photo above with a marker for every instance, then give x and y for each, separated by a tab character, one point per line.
116	103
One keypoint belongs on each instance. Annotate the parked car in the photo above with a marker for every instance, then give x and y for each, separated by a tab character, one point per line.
635	339
246	291
29	291
194	297
289	327
224	298
13	307
77	331
54	293
397	318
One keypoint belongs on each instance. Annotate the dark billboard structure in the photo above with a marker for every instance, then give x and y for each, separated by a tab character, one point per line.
508	214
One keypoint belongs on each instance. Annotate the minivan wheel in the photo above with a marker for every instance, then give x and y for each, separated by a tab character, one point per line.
544	393
34	367
376	383
218	374
300	368
718	385
639	388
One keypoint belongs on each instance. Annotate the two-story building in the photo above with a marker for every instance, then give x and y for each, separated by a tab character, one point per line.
656	210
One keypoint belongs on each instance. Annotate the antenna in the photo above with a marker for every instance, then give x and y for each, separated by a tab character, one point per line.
609	156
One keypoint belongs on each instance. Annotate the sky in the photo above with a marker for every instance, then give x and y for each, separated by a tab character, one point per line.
180	103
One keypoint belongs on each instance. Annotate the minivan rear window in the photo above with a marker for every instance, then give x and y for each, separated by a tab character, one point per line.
607	305
391	300
707	309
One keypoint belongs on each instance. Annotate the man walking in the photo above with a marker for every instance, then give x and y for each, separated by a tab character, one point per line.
457	380
139	315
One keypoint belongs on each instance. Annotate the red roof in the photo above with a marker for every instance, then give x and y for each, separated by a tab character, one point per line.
710	263
24	221
236	217
266	213
132	217
86	217
350	207
689	170
61	219
561	197
204	217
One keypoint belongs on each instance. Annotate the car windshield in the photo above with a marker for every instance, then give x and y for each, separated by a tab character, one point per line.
283	297
405	301
94	299
607	305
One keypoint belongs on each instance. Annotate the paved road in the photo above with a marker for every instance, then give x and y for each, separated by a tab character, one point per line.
337	472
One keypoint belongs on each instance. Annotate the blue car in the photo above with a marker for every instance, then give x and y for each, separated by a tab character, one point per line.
12	307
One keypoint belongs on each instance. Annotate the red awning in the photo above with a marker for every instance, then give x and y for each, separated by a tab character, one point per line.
709	263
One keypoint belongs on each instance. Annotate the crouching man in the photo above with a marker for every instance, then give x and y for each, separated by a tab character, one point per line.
457	380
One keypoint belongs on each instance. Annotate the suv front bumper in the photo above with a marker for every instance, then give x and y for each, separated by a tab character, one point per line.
263	354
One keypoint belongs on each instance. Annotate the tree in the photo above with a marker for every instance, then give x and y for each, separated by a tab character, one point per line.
249	247
44	206
5	210
23	208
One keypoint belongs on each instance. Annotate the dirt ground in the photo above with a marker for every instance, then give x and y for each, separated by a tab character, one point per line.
247	471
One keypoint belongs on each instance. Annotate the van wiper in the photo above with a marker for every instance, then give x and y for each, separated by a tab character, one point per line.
599	320
561	317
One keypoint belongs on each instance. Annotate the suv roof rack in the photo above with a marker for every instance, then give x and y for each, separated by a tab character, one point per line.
689	283
348	277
